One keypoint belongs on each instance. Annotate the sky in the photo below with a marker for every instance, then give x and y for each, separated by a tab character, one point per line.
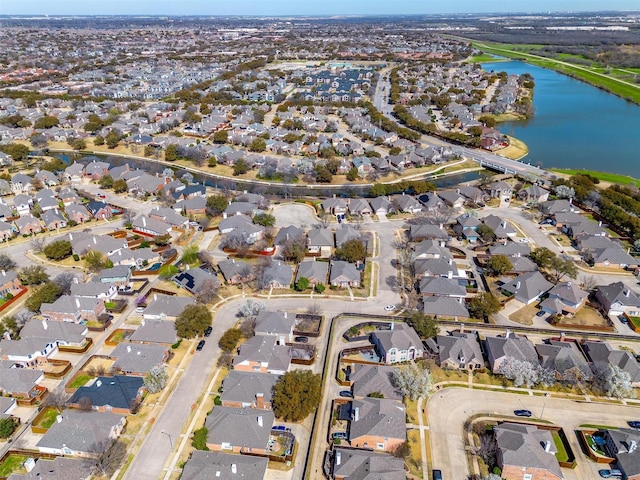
301	7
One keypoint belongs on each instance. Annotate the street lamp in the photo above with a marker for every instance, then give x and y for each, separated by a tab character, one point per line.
170	439
544	403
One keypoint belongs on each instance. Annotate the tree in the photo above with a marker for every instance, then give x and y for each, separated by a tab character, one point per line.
190	254
412	381
562	267
64	280
323	175
488	121
229	340
522	372
424	325
94	261
352	250
193	321
106	181
208	291
258	145
302	284
221	136
199	441
296	395
565	191
47	293
7	427
352	174
120	186
58	250
240	168
33	275
167	271
264	219
483	305
542	257
293	250
378	189
78	143
216	204
112	139
156	379
486	233
6	263
499	264
250	308
111	455
98	140
17	151
48	121
612	381
171	153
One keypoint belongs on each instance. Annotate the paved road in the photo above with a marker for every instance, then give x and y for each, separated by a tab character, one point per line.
448	409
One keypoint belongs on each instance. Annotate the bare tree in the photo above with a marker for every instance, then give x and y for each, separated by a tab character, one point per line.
85	403
37	244
110	455
64	281
248	327
57	400
128	215
314	309
433	217
225	360
206	259
208	291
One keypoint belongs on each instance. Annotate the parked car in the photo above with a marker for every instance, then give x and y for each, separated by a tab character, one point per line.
634	423
389	308
340	435
208	331
281	428
302	339
524	240
200	345
140	310
437	475
346	393
613	473
540	313
522	413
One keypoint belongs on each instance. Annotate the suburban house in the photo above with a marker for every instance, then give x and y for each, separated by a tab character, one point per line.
155	331
285	234
500	189
18	382
211	465
81	433
617	299
151	226
452	198
500	227
235	271
278	324
367	379
263	353
565	298
248	390
138	359
431	249
243	226
445	307
460	351
525	451
165	307
534	193
9	282
399	344
195	279
117	394
99	210
69	308
53	219
352	463
359	206
565	359
381	206
58	332
600	354
344	233
320	241
436	267
28	225
407	204
510	346
315	272
239	430
94	289
622	444
377	423
528	287
442	287
344	274
58	468
427	231
551	207
120	276
278	274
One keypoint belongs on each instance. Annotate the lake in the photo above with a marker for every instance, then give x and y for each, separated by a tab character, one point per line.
575	125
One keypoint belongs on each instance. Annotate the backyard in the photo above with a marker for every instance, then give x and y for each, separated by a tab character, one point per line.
13	463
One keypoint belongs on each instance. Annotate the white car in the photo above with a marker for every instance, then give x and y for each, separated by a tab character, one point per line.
140	310
389	308
524	240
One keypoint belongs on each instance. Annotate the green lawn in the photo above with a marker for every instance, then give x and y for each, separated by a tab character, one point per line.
49	418
11	463
483	58
561	454
79	381
602	176
635	321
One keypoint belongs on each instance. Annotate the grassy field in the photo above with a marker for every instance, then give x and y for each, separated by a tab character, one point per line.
561	454
11	464
79	381
591	75
602	176
484	57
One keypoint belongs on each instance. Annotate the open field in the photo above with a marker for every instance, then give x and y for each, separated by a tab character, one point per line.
591	75
516	149
602	176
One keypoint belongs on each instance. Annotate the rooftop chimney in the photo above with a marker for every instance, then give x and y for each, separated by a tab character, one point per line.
77	302
44	323
356	414
128	348
338	458
547	446
58	418
260	401
234	468
260	422
633	445
518	285
507	333
99	383
626	293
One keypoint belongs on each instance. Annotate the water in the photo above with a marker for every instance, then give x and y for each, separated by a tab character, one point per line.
575	125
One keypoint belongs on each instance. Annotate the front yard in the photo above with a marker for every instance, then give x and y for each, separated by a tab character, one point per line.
525	315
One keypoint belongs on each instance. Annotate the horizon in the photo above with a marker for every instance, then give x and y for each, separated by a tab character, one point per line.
291	8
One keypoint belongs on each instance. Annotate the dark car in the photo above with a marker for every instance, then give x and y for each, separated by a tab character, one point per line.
437	475
208	331
280	428
634	423
613	473
522	413
302	339
340	435
540	313
200	345
346	393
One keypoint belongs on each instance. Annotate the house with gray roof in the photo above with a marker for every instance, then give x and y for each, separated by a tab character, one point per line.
510	345
94	289
622	444
315	272
399	344
442	287
288	233
137	258
151	225
427	231
278	274
407	204
500	227
611	257
71	308
239	430
60	332
195	279
119	275
57	468
344	233
381	206
431	248
320	241
510	249
564	298
236	271
48	203
77	213
473	194
354	464
551	207
82	242
526	451
219	465
565	359
368	379
377	423
117	394
81	433
435	267
242	226
617	299
528	287
6	231
155	331
263	353
500	189
28	224
18	382
534	193
138	359
452	198
279	324
335	206
68	196
600	354
460	351
169	215
248	390
359	206
165	307
445	307
241	208
344	274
